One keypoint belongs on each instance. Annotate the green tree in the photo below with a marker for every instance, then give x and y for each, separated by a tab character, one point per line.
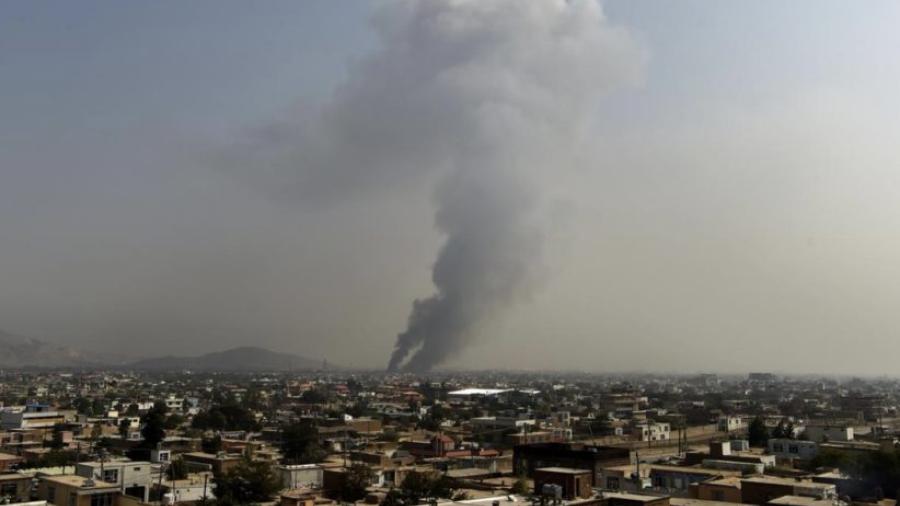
56	440
246	483
357	480
153	430
520	487
212	444
422	487
758	433
300	443
177	470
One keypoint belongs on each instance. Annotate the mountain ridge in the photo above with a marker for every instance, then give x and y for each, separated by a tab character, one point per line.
239	359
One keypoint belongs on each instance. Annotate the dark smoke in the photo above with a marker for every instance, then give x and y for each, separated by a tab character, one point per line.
489	96
491	256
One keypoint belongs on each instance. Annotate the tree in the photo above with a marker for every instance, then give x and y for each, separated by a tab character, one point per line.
154	421
177	470
313	396
246	483
96	431
56	441
357	480
421	487
300	443
226	416
758	434
520	487
784	430
212	445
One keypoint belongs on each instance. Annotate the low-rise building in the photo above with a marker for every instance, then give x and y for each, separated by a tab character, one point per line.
132	477
71	490
793	449
15	487
572	483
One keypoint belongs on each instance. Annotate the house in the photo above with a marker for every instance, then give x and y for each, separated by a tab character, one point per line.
132	477
730	423
217	463
15	487
437	446
71	490
793	449
762	489
651	431
300	476
574	483
33	416
726	489
527	458
826	433
677	480
627	499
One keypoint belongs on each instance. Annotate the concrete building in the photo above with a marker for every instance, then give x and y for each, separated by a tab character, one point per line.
826	433
793	449
677	480
730	423
34	416
652	431
574	483
300	476
722	490
527	458
762	489
70	490
15	487
131	477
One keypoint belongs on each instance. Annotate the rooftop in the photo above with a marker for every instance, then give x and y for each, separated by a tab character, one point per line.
563	470
632	497
79	481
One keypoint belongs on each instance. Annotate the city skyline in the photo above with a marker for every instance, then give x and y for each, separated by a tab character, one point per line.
728	205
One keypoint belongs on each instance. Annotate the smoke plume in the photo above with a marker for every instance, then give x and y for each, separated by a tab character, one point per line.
491	99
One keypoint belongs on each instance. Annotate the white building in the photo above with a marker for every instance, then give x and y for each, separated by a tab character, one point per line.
133	477
730	423
793	449
823	433
301	476
652	431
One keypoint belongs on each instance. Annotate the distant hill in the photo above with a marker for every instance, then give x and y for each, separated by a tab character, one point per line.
243	359
20	352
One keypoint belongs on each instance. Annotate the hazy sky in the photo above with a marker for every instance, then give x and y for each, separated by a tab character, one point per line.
736	205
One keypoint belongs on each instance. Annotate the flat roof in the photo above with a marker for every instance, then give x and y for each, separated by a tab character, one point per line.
479	391
633	497
798	500
694	470
563	470
14	476
78	481
687	501
786	481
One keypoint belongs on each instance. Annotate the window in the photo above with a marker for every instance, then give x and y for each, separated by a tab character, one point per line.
111	475
778	447
794	449
51	493
73	499
612	483
718	495
103	500
9	490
